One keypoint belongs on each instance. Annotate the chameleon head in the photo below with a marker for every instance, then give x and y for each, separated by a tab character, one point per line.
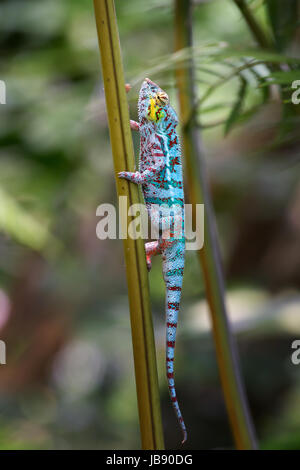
154	104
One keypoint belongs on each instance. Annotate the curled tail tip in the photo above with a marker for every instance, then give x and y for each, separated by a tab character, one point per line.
184	438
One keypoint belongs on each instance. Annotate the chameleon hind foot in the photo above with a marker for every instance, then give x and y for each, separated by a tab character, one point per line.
149	263
152	249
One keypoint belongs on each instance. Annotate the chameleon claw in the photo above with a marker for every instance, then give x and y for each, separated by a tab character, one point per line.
149	264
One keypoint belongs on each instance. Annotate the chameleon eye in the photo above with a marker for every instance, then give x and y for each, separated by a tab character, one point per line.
162	98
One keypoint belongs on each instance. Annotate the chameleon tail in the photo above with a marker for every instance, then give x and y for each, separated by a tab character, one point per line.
173	265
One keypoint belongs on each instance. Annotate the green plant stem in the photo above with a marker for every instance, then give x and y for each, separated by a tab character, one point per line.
137	277
255	28
198	193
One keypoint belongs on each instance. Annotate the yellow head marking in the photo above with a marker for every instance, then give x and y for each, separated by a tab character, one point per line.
152	109
155	113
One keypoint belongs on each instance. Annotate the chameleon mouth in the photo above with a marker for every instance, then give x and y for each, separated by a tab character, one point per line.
150	82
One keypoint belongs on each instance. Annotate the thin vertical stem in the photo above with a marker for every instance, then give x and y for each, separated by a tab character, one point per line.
137	278
198	192
257	31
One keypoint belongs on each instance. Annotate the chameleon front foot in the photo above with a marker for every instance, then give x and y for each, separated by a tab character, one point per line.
123	174
134	177
134	125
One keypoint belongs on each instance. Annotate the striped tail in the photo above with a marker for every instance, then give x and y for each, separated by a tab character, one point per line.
173	265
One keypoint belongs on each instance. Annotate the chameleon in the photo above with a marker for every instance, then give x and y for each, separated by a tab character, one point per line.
161	179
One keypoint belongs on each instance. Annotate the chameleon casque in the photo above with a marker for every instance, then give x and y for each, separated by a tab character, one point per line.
160	176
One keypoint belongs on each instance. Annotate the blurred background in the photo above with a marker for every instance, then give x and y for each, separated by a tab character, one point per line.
69	380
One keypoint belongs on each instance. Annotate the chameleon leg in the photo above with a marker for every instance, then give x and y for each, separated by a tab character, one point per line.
152	249
134	177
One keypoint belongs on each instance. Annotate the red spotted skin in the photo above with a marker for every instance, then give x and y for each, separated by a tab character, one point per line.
160	175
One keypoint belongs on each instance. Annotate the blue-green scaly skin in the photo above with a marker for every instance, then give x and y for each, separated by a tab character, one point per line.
160	174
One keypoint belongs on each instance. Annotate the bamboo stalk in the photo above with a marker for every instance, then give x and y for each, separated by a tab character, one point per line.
198	192
137	278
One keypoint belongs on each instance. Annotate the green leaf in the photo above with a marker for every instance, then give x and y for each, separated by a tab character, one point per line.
283	16
236	110
286	77
214	107
261	55
24	228
261	82
208	53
